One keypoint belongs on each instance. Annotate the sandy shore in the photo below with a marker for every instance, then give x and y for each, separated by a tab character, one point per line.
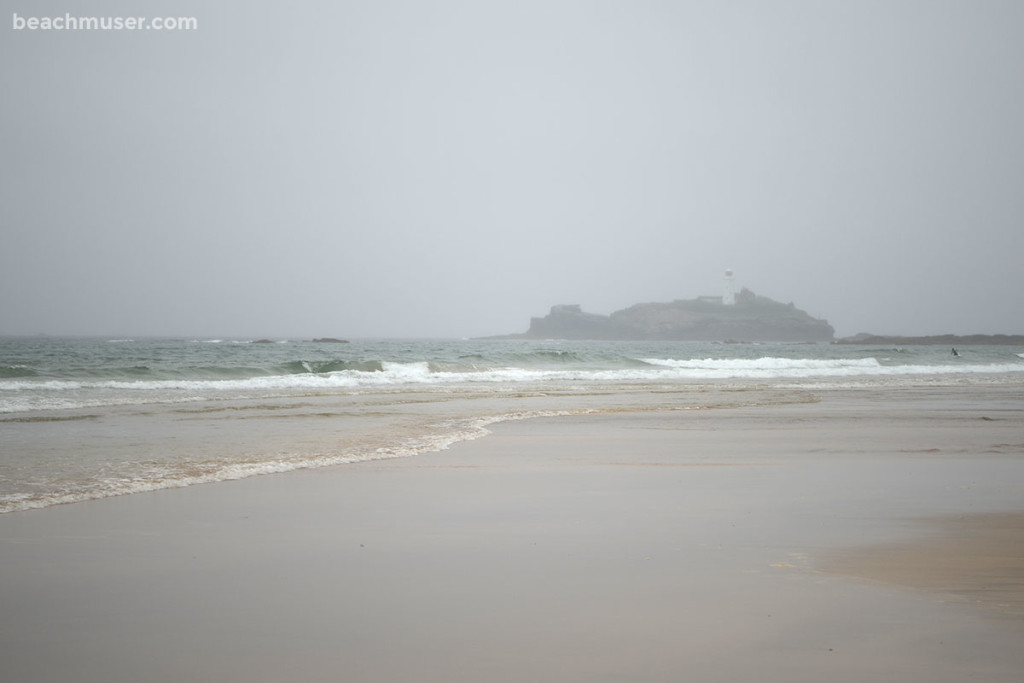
862	537
975	559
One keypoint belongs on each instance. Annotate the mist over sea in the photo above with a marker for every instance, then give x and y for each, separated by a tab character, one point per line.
84	418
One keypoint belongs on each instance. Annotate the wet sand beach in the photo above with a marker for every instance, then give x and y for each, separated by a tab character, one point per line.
865	535
969	559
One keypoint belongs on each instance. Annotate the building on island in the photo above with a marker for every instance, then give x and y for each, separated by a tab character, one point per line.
729	295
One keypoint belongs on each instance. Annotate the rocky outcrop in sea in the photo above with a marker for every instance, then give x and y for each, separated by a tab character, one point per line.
751	318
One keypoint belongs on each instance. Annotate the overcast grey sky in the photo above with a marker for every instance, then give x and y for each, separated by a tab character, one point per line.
442	168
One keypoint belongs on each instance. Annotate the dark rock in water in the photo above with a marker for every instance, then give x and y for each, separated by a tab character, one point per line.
751	318
330	340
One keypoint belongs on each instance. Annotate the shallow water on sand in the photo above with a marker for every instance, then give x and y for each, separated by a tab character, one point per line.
91	418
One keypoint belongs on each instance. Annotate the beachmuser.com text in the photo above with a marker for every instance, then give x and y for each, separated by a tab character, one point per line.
69	22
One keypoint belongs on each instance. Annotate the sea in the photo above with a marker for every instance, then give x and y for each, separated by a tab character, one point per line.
88	418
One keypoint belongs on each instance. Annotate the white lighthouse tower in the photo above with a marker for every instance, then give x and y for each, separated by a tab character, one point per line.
729	295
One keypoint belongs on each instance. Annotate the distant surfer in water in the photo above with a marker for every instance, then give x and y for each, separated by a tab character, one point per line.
953	352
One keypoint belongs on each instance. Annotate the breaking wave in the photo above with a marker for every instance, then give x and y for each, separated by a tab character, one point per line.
15	371
308	376
770	367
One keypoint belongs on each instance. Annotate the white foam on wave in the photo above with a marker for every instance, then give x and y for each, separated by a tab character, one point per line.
766	362
33	394
401	372
772	368
767	367
190	474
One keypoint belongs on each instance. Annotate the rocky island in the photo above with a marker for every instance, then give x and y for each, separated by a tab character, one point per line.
743	317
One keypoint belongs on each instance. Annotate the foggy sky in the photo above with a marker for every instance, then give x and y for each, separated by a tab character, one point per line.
441	168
